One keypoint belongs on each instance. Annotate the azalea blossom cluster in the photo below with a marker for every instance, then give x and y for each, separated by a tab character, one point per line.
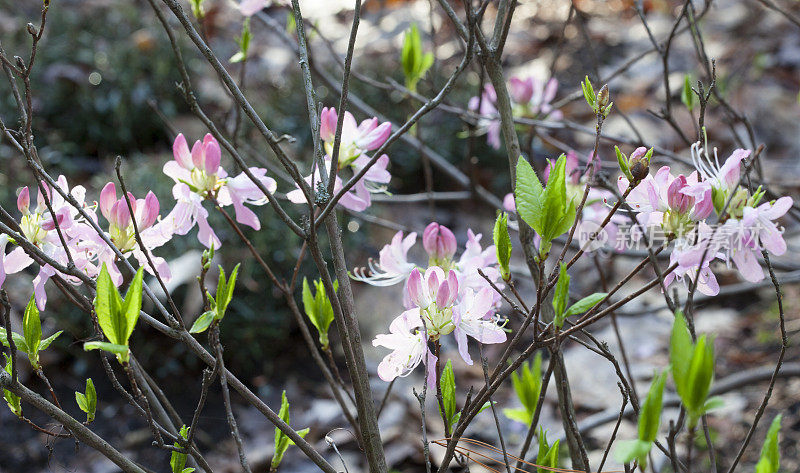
356	140
198	177
448	295
683	206
530	98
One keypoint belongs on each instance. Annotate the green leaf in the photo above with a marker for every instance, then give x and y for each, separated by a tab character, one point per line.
566	221
87	402
447	382
203	322
91	399
529	193
585	304
301	433
554	204
319	309
82	403
770	459
680	353
122	351
132	305
47	341
502	244
177	461
628	450
547	456
700	377
687	96
282	442
107	306
225	291
32	330
650	412
12	399
588	94
518	414
622	160
18	340
561	296
527	383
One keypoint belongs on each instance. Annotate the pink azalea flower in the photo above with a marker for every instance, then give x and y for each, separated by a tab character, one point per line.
408	343
689	258
393	266
530	98
725	177
198	172
187	213
473	317
745	238
356	140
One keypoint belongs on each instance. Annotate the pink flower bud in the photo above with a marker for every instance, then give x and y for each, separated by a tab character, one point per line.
448	291
372	135
327	125
676	199
24	200
180	151
198	157
439	241
149	211
108	196
415	290
120	216
521	90
212	154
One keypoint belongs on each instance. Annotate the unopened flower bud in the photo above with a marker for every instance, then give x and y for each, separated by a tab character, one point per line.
639	163
603	97
439	242
32	29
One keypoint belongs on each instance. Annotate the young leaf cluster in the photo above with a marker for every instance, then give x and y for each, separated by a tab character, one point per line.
282	442
30	342
177	461
527	382
692	370
545	209
319	309
547	457
599	102
117	316
415	63
87	402
218	304
244	42
649	421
